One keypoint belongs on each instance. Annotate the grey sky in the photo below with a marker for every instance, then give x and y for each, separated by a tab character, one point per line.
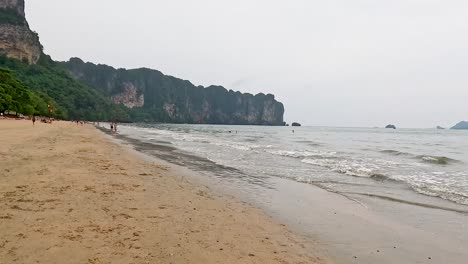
332	63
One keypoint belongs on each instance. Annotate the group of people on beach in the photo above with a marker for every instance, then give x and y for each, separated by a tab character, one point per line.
42	119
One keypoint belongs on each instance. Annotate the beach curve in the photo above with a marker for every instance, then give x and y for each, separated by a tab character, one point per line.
70	195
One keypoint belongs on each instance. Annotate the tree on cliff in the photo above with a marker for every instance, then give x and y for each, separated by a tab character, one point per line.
74	99
14	96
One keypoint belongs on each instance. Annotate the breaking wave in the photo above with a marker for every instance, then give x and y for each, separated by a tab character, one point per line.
303	154
351	168
395	152
440	160
442	192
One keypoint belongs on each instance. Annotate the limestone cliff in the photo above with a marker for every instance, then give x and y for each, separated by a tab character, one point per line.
129	96
154	96
16	38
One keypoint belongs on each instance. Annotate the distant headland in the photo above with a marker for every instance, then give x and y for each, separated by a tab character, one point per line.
461	125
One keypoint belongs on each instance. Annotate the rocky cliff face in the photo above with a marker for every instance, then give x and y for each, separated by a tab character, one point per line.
129	96
157	97
16	38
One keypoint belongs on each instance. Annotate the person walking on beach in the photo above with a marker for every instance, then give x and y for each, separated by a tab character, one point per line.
34	119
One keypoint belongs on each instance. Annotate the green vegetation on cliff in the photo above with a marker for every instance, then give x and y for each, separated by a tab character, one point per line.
75	100
14	96
102	91
11	16
155	97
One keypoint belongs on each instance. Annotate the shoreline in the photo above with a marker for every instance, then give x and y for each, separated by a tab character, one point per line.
68	194
185	159
351	227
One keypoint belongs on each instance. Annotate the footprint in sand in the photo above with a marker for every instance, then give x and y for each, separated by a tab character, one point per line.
122	215
72	237
34	205
60	190
107	194
12	251
6	217
3	243
43	171
94	261
89	189
121	187
21	235
120	244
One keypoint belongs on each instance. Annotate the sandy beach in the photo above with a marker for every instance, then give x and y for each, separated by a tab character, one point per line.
68	194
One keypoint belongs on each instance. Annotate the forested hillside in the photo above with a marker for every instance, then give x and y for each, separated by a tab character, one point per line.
74	100
14	96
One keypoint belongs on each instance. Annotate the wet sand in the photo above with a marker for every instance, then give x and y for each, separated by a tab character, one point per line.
68	194
369	230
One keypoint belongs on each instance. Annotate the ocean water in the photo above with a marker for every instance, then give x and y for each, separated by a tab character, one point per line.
400	165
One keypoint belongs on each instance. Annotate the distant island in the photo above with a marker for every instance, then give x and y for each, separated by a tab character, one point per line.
76	90
461	125
296	124
391	126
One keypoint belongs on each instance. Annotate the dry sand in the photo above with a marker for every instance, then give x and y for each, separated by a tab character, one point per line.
70	195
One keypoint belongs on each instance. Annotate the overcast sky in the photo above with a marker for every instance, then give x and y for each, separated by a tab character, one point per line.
332	63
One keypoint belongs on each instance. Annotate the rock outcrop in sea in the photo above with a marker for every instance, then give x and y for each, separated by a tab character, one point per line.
461	125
